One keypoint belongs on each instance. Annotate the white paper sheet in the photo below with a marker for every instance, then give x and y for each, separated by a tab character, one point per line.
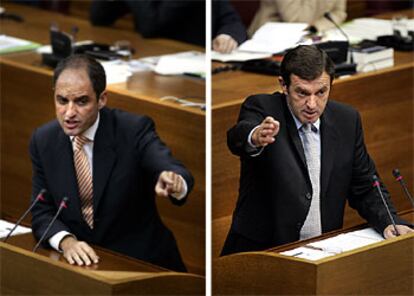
274	37
238	56
5	228
191	62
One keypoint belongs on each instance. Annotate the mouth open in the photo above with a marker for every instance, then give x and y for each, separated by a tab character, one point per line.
71	124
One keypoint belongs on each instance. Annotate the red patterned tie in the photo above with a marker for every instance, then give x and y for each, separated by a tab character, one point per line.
84	176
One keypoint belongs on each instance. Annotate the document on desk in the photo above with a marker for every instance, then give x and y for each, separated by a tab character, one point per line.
364	28
238	56
336	244
5	228
188	62
9	44
274	37
307	253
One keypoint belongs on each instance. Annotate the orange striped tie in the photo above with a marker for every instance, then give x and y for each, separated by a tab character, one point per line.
84	176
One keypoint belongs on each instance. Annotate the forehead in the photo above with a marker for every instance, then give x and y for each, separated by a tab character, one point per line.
72	80
321	81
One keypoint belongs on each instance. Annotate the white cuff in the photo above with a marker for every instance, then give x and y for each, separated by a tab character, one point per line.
55	240
179	196
252	148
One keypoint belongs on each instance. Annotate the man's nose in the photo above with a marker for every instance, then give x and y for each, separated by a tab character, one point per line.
71	110
311	102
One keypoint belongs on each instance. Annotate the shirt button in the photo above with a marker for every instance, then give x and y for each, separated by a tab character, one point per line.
308	196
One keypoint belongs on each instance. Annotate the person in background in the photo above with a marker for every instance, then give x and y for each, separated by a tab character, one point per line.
179	20
299	11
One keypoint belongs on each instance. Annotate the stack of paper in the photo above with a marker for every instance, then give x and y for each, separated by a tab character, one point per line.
275	37
5	228
378	57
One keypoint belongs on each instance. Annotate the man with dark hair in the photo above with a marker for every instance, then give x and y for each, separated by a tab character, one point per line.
301	157
110	164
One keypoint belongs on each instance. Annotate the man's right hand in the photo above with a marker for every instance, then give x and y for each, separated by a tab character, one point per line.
266	132
78	252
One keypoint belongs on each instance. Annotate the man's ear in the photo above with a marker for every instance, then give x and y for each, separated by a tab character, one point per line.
102	99
283	85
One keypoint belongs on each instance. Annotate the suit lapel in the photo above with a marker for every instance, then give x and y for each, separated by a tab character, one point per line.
294	134
104	157
329	146
67	176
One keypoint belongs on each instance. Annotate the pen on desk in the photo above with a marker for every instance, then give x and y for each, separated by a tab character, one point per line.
297	254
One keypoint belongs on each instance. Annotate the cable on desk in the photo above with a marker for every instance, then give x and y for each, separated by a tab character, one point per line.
184	102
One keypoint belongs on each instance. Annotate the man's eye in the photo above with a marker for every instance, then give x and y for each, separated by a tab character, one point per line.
321	93
62	101
82	102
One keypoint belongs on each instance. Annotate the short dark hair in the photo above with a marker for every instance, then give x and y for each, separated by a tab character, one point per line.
308	62
94	69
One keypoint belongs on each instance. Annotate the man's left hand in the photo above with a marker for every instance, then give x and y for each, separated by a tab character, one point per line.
389	231
169	183
224	43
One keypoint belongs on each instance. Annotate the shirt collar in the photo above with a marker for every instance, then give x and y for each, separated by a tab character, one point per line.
90	132
299	124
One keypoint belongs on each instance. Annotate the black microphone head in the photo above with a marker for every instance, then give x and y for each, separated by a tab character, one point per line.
43	191
396	173
65	199
374	178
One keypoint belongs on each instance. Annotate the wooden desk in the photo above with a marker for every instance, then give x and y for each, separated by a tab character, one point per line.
26	103
47	272
382	268
384	99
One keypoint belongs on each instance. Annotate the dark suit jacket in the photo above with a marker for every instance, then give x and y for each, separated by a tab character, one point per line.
182	20
128	157
275	188
178	19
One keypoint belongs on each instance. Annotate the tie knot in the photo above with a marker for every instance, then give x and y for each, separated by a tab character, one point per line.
80	141
308	127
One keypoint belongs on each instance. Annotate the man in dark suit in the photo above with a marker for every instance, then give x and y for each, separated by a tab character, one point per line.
110	164
301	157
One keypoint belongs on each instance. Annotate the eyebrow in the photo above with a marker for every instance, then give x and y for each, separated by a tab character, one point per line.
300	89
76	99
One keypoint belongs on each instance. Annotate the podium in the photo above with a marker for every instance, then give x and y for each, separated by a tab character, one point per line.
382	268
47	273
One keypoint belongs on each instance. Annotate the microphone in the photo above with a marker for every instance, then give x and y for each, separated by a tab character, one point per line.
38	197
61	206
377	185
327	15
399	178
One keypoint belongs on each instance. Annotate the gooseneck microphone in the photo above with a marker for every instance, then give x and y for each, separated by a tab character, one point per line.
400	179
376	184
328	16
61	207
35	201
